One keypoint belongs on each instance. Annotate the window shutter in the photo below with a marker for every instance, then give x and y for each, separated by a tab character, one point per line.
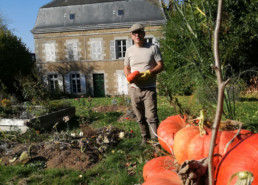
122	84
112	49
60	81
128	43
52	52
75	51
45	79
155	41
67	84
96	50
83	83
47	50
70	51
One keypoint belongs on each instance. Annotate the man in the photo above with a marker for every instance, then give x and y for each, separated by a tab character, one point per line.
145	58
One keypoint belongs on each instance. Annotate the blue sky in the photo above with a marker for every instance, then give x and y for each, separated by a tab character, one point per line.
21	16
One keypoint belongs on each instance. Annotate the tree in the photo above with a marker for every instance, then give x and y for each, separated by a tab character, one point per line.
188	53
17	65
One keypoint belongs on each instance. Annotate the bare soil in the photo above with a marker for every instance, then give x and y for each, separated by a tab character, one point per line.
64	151
50	154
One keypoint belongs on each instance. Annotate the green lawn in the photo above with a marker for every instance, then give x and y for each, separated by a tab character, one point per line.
123	164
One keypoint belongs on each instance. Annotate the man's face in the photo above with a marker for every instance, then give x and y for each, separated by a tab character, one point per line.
138	36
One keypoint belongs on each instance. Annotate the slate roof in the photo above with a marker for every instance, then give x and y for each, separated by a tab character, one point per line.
57	3
96	14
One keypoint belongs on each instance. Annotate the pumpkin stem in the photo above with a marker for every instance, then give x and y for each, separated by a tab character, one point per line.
201	123
244	178
231	141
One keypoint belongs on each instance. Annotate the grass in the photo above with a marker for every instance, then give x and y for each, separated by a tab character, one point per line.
121	165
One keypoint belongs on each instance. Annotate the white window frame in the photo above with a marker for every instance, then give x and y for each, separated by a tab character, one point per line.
121	46
72	50
50	51
76	86
53	81
96	49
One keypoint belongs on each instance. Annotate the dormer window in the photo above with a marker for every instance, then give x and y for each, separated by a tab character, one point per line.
120	12
72	16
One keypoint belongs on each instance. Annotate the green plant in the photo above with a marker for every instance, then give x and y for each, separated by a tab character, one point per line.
187	52
84	110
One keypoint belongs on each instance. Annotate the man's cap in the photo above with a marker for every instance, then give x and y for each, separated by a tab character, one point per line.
136	27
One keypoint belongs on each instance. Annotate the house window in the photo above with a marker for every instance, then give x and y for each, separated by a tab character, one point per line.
53	82
50	51
120	12
120	48
72	16
72	50
76	83
148	40
96	50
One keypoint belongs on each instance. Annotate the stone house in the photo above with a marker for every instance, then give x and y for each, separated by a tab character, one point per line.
80	44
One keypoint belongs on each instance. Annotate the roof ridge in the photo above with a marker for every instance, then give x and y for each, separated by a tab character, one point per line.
58	3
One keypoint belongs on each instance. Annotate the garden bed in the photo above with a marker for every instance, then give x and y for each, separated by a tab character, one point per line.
63	150
43	122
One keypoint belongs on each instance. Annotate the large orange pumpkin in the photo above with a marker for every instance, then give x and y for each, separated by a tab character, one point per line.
169	180
163	165
189	144
242	157
167	130
181	142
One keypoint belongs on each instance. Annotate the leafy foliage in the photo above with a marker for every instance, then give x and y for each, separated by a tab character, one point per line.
188	50
18	76
15	58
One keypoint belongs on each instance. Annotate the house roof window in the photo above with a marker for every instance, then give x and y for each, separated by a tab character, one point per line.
120	12
72	16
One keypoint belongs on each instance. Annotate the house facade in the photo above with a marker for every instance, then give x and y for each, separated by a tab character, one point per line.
80	44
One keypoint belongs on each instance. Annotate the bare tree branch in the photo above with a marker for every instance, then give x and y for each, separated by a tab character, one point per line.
221	88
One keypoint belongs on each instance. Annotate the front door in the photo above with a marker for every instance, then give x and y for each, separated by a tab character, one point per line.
98	85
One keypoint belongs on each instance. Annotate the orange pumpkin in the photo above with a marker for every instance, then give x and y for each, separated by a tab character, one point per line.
169	180
167	130
133	76
241	158
189	144
161	171
163	165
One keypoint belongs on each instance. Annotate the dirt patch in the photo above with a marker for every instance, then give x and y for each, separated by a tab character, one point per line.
51	155
78	153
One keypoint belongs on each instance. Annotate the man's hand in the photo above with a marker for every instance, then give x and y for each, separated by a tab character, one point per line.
145	75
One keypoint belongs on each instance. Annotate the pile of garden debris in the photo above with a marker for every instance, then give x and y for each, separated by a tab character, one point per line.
63	150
